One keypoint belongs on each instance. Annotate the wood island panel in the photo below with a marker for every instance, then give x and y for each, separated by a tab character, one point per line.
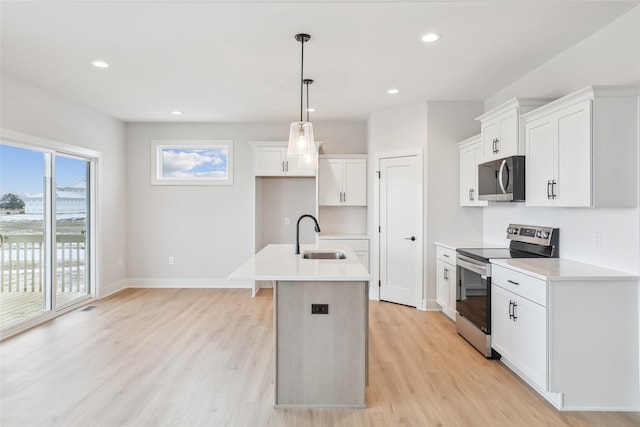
321	359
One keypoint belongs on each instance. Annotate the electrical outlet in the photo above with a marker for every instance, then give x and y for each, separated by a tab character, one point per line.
171	260
319	308
597	239
287	220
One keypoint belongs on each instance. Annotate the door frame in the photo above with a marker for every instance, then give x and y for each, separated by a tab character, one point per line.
22	140
374	286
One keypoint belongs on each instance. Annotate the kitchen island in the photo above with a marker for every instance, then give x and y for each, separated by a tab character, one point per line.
320	324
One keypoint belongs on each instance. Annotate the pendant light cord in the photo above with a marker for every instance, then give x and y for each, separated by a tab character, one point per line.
301	79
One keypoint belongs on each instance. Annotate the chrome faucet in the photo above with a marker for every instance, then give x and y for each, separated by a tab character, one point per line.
317	227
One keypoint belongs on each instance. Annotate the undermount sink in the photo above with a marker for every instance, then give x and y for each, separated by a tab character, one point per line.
324	254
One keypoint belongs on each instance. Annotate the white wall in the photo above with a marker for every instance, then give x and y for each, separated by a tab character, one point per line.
209	230
34	111
609	57
435	127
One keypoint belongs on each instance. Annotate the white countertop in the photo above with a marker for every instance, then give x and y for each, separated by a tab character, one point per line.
279	262
453	245
558	269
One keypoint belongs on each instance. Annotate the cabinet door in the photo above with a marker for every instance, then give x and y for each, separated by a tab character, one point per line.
573	174
292	169
531	320
330	182
502	325
364	258
490	131
508	134
354	182
468	176
442	290
269	161
539	161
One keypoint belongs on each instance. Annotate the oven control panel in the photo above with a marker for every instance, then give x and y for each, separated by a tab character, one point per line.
530	234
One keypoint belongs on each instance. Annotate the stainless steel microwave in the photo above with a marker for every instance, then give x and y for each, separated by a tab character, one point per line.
502	180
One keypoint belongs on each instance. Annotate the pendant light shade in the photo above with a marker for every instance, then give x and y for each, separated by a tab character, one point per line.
308	160
301	141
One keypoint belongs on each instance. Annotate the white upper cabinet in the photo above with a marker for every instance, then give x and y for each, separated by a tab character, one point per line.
582	150
342	181
501	131
470	157
270	159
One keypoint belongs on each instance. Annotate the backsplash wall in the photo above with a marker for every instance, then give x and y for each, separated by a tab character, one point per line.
618	228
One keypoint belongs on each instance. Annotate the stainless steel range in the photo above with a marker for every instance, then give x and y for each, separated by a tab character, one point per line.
473	296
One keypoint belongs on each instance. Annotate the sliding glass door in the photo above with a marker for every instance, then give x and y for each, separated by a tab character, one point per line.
24	264
45	232
72	178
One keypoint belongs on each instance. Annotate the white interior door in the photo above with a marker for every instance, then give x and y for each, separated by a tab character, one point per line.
400	230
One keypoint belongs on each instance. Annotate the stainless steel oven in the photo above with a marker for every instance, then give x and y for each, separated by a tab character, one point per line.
473	265
473	302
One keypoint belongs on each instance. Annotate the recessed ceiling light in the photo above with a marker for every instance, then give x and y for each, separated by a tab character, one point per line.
100	64
431	37
393	91
176	112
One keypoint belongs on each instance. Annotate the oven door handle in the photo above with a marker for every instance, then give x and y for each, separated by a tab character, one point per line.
480	269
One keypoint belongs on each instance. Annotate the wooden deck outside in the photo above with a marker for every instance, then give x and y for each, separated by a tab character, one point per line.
16	307
22	274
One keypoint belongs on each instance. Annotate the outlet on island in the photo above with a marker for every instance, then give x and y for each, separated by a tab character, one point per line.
319	308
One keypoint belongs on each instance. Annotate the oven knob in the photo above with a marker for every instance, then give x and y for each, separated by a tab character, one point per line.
538	234
510	230
544	234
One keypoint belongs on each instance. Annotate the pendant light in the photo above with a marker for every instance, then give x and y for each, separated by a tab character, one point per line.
308	161
301	133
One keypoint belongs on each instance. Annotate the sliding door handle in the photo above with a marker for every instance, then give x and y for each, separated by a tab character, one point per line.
412	238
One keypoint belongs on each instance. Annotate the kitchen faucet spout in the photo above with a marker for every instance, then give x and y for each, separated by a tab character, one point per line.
317	228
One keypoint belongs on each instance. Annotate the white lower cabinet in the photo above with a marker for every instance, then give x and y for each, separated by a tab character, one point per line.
447	282
573	336
518	333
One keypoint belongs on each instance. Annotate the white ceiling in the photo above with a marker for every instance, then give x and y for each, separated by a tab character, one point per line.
238	61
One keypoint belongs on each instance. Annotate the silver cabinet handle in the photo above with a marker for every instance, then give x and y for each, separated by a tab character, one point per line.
412	238
553	189
344	196
446	274
515	316
286	166
471	194
512	282
283	166
510	309
549	190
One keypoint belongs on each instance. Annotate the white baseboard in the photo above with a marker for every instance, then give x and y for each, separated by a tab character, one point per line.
112	288
212	283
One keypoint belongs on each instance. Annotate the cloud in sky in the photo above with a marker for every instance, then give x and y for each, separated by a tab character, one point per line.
194	163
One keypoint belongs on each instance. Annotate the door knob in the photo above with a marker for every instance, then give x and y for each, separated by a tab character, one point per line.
412	238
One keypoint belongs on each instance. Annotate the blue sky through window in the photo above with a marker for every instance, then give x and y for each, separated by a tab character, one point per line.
22	170
209	163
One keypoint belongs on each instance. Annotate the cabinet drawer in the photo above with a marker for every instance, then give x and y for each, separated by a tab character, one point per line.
357	245
446	254
520	284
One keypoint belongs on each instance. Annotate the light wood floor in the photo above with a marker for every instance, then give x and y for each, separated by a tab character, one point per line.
204	357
